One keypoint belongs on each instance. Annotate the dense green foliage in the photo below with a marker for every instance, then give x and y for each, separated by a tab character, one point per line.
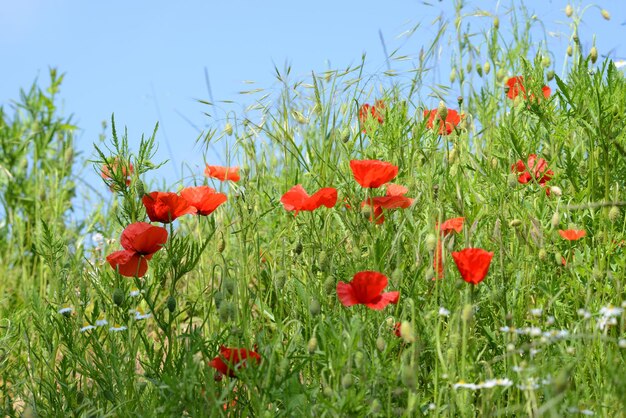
542	335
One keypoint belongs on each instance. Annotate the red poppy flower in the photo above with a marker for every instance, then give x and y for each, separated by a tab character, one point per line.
140	241
375	111
297	199
385	202
232	359
572	234
396	189
373	173
365	288
164	207
452	120
537	166
222	173
203	198
446	228
473	264
515	86
119	169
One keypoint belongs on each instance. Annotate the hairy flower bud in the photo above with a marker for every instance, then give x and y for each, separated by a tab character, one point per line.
442	110
118	296
556	220
496	22
486	67
314	307
605	14
569	10
614	213
431	242
228	129
171	304
406	332
593	54
312	345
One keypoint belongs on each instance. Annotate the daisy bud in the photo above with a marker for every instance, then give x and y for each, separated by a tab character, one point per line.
347	381
171	304
453	75
228	129
431	242
556	190
487	67
569	10
569	50
314	307
381	344
118	296
605	14
593	54
614	213
139	188
442	110
543	254
500	74
312	345
556	220
496	22
406	332
515	223
550	75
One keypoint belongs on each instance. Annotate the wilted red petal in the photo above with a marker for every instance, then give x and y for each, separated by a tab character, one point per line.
473	264
165	207
222	173
129	263
572	234
453	224
203	198
373	173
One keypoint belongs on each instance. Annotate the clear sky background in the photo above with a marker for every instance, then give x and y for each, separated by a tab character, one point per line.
145	60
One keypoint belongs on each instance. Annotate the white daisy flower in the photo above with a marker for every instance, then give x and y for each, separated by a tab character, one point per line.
118	328
140	314
134	292
443	311
610	311
621	343
100	322
536	312
463	385
87	326
585	314
66	310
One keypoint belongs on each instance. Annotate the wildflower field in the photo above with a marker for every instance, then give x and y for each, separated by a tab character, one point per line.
371	248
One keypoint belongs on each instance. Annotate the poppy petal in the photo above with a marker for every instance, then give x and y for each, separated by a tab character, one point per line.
128	263
373	173
203	198
294	198
473	264
346	294
326	196
222	173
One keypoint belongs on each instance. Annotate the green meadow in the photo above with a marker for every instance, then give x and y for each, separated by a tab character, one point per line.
371	248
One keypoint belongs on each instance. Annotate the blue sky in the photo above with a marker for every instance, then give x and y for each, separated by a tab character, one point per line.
145	61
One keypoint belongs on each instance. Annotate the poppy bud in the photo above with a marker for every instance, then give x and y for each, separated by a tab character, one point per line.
327	391
118	296
171	304
452	156
358	359
515	223
467	313
453	75
494	163
500	74
556	190
442	110
469	66
556	220
496	22
605	14
550	75
314	307
479	69
139	188
558	258
221	244
569	50
486	67
543	254
511	180
218	297
329	284
431	242
228	285
375	407
545	61
409	377
614	213
312	345
569	10
593	54
226	311
347	381
406	332
345	135
381	344
228	129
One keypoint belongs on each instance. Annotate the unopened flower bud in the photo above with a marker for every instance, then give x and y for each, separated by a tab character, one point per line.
221	245
442	110
406	332
556	190
312	345
496	22
511	180
543	254
614	213
171	304
347	381
545	61
226	311
314	307
431	242
139	188
569	10
500	75
569	50
550	75
299	117
381	344
515	223
228	129
479	69
556	220
118	296
486	67
593	54
558	258
228	285
605	14
453	75
494	163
